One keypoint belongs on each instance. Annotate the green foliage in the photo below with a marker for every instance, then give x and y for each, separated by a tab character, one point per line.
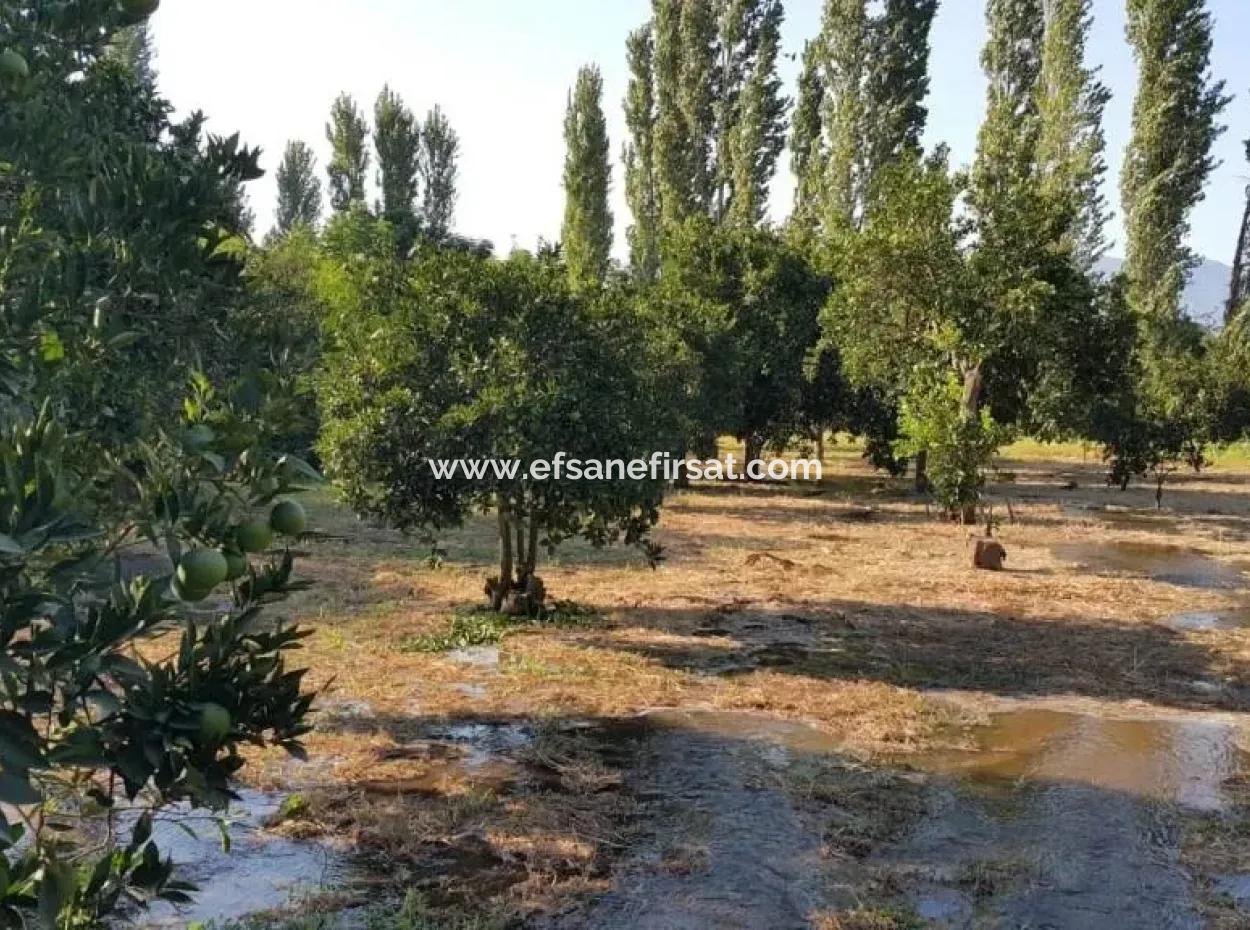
299	191
934	418
1169	157
118	263
1071	101
120	249
459	356
586	237
348	135
745	304
397	138
641	187
861	106
436	167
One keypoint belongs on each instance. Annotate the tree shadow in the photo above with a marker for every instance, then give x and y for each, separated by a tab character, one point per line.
933	648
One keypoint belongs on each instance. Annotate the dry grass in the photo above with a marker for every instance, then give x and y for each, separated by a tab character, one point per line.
840	604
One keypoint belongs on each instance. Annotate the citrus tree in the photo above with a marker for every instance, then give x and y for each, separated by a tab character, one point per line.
457	356
137	534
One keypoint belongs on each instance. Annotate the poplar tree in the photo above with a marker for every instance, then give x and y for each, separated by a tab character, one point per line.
753	111
397	139
1005	170
1071	142
697	96
1239	291
861	105
639	156
438	172
299	191
807	151
1169	156
843	40
897	82
348	135
587	231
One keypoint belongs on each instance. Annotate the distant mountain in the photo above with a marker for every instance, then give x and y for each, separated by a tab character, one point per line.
1206	295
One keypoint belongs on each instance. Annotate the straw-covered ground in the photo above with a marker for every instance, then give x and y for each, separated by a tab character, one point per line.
498	784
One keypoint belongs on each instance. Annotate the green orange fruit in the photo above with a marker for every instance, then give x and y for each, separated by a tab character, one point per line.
183	593
13	65
254	536
236	564
215	723
288	519
201	570
139	9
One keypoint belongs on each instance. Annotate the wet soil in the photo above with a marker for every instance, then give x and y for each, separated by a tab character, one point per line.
1065	820
1169	564
260	871
727	849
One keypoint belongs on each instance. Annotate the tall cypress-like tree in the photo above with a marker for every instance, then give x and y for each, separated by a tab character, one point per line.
1175	124
807	149
641	190
1239	290
397	139
697	96
299	191
587	231
348	135
753	133
438	171
897	82
843	39
1071	142
1005	169
861	105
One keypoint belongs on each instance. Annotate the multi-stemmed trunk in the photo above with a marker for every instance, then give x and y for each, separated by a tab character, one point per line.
516	589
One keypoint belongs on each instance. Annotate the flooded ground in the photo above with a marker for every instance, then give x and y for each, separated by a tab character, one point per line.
1205	620
260	872
726	849
1160	562
1176	760
858	731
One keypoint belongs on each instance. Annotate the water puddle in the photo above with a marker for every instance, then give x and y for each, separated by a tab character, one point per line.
1170	564
1182	761
261	872
1204	620
483	657
740	725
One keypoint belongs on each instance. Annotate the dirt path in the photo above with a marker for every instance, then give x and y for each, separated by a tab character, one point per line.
726	850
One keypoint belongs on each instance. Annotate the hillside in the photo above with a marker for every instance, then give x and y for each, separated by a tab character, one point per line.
1206	294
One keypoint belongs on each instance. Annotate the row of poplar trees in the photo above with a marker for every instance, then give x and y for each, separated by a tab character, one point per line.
416	169
967	302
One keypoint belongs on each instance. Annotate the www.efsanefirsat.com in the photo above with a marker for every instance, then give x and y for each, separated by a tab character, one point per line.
660	466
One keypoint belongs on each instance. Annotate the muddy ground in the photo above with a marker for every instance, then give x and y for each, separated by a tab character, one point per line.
814	714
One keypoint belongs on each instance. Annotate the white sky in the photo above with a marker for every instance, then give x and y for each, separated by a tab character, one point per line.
501	70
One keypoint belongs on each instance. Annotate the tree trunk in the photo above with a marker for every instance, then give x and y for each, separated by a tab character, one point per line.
752	447
820	447
973	381
531	554
499	595
922	472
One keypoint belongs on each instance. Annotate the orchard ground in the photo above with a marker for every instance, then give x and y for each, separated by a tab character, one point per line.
821	659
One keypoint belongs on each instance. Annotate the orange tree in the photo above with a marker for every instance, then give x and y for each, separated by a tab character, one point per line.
458	356
120	250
